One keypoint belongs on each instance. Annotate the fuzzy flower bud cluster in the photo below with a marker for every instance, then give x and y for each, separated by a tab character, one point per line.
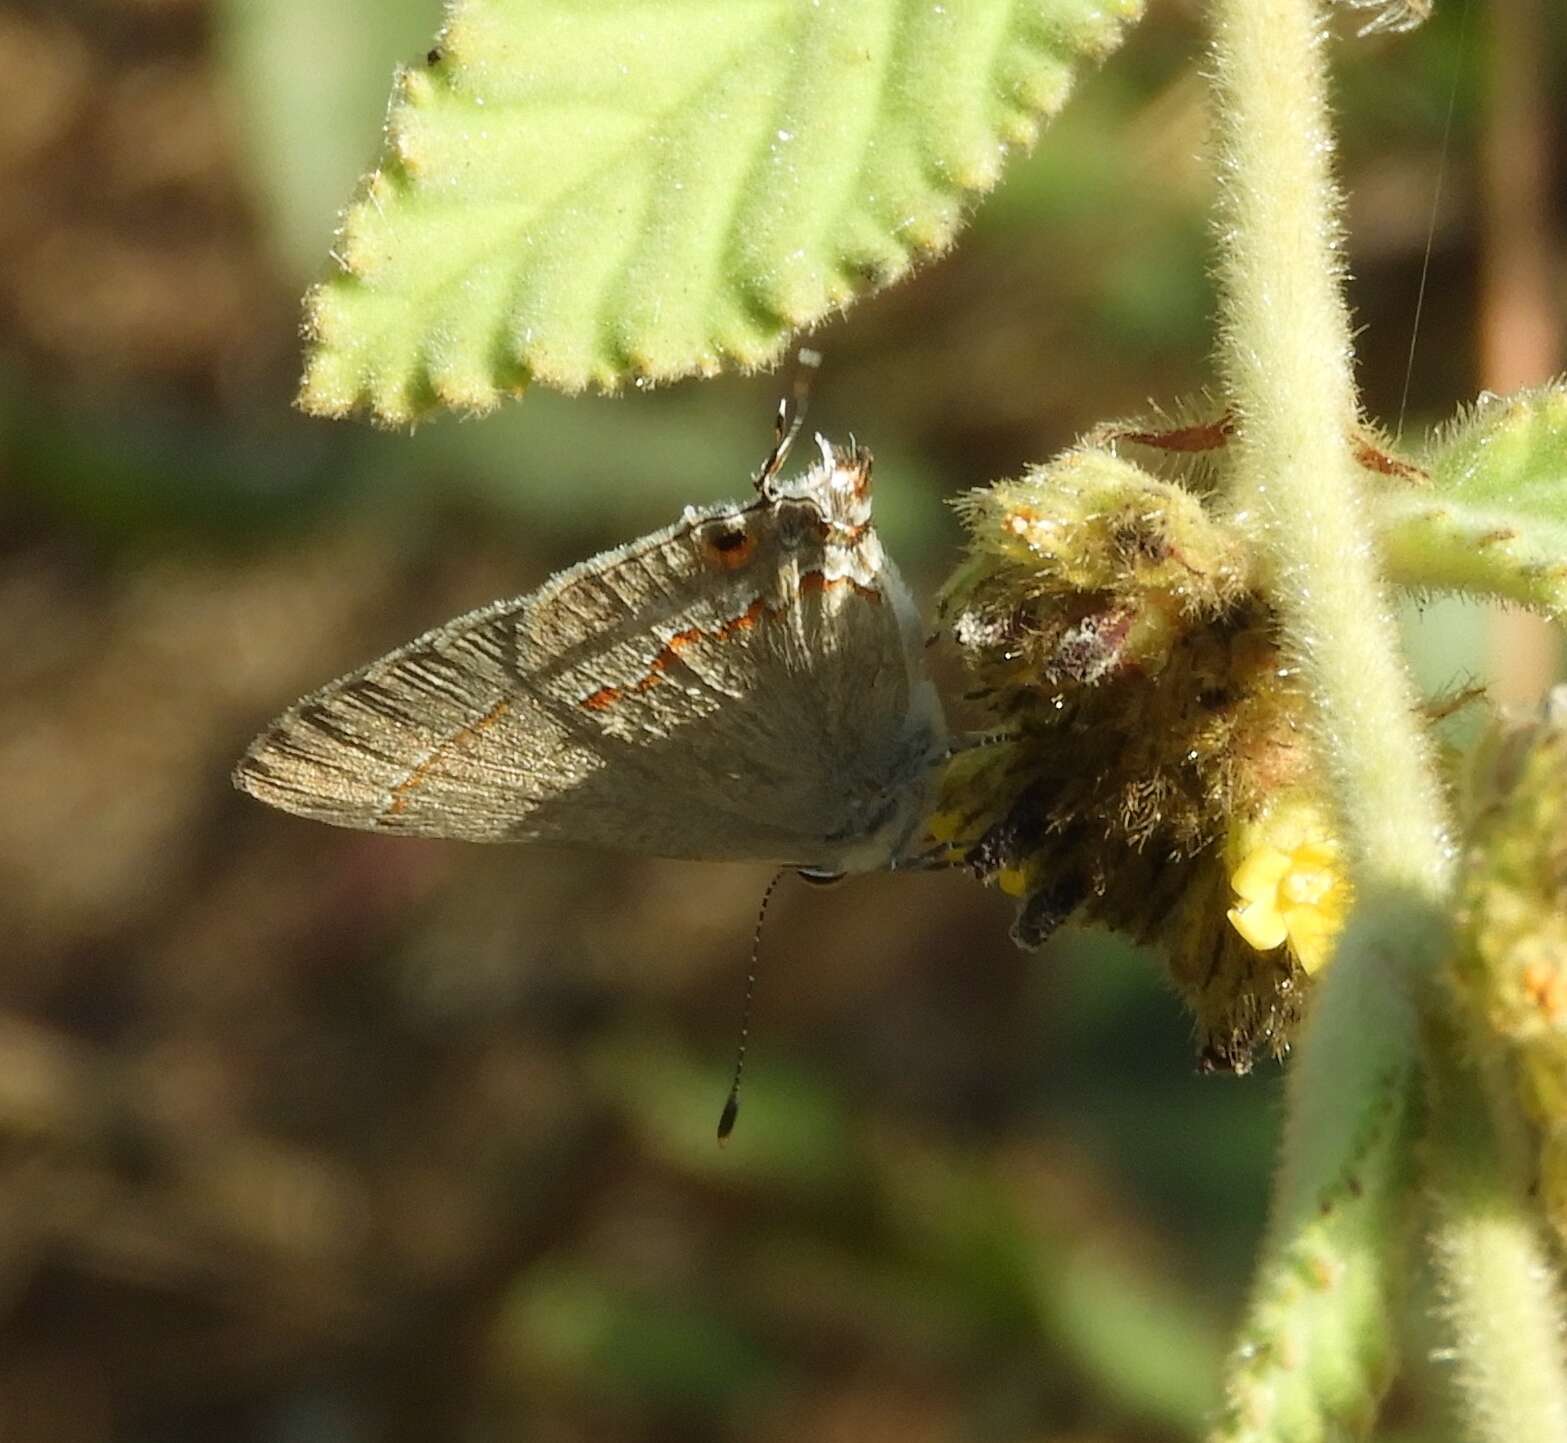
1511	966
1148	768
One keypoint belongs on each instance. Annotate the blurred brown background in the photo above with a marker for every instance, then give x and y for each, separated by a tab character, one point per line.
311	1136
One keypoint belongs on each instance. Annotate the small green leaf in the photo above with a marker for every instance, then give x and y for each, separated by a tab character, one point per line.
588	193
1493	518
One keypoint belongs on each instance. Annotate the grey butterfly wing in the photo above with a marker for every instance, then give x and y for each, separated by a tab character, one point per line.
721	689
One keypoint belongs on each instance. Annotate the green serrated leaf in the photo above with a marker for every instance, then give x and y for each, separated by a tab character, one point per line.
585	192
1492	519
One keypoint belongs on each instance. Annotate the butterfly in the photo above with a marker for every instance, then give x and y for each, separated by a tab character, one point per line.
746	684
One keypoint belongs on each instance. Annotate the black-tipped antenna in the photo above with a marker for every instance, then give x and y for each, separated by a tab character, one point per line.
791	415
726	1119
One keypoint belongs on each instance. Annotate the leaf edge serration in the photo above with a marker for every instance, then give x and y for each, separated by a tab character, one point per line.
1466	529
345	372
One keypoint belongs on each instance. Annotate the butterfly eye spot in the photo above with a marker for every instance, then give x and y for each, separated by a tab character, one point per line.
728	546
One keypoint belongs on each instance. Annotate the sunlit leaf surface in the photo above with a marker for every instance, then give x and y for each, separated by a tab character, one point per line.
1492	520
584	194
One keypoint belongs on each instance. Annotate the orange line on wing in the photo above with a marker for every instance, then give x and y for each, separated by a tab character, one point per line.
756	613
602	699
817	581
417	777
606	696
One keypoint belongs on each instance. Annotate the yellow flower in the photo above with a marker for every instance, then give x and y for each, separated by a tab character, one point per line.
944	826
1290	884
1013	881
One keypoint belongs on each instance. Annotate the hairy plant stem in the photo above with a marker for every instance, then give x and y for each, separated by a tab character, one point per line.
1315	1349
1287	360
1500	1291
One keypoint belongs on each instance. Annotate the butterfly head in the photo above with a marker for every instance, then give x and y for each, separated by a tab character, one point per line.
837	486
